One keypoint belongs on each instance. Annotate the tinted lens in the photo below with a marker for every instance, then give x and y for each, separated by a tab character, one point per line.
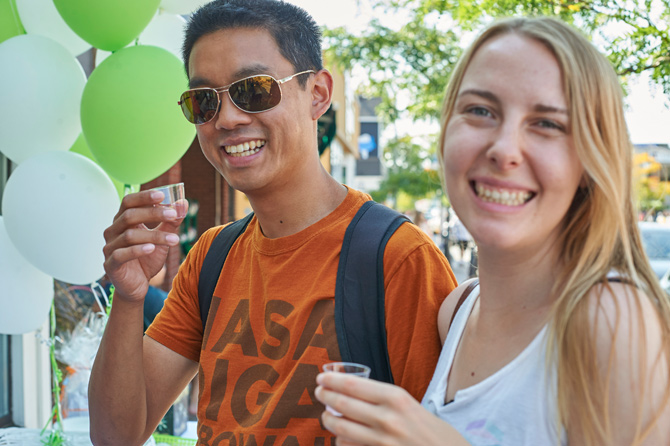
200	106
255	94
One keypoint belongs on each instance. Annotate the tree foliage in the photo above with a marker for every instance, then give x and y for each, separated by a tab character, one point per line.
408	66
412	61
411	169
416	59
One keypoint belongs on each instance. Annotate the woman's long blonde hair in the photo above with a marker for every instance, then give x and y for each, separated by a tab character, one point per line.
600	232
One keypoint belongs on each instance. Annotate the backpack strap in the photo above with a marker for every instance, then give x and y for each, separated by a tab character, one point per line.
360	321
359	288
466	292
214	259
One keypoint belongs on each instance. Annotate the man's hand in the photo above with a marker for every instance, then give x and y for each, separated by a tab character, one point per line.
133	252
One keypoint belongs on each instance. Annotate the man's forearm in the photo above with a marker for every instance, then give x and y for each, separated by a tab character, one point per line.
117	389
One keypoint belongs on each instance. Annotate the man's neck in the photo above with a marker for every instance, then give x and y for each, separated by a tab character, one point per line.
281	214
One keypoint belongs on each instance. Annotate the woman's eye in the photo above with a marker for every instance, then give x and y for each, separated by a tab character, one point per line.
479	111
549	124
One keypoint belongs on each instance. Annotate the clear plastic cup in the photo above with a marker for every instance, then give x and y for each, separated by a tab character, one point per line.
174	198
351	368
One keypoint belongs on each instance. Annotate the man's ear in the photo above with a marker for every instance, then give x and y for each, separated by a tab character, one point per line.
322	93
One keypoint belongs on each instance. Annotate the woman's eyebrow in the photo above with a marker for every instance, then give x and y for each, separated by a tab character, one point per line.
542	108
481	93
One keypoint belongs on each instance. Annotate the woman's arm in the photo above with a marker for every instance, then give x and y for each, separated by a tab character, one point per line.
631	357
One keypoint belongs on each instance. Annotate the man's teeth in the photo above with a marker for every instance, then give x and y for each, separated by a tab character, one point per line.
502	196
245	149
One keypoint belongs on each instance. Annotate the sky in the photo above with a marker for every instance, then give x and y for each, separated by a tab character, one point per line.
648	117
648	108
346	13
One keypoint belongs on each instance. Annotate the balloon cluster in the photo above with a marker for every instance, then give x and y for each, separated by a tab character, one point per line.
79	144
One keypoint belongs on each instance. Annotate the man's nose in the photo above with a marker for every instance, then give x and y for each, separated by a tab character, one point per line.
229	115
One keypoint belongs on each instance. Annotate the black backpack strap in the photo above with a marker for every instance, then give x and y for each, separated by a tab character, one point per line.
360	320
214	259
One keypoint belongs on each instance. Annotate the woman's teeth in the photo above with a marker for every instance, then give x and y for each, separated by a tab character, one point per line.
502	196
245	149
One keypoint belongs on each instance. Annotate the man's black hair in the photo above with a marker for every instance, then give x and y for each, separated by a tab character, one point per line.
295	31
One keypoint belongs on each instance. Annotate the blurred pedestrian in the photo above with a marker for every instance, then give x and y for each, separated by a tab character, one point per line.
460	236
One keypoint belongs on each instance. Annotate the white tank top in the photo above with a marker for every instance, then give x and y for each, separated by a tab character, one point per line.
513	407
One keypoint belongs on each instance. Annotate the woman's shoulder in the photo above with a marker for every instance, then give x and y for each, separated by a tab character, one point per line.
628	329
451	304
618	310
631	351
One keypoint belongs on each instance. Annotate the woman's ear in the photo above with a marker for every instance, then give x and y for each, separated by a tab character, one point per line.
322	93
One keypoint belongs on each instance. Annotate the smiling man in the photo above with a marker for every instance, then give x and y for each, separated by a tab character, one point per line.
257	90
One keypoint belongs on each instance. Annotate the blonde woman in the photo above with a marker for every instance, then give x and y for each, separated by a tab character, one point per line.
565	339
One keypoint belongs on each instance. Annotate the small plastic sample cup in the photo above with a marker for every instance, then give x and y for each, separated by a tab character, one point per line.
351	368
174	198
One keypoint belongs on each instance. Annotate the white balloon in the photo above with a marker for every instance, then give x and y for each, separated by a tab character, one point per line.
41	17
25	292
41	85
56	206
165	31
181	6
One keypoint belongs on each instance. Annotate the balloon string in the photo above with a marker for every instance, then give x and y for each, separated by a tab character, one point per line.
15	14
56	419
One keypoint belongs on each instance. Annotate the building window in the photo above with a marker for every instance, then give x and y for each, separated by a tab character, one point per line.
4	174
5	383
5	364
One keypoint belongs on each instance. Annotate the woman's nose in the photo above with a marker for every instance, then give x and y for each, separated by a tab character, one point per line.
506	151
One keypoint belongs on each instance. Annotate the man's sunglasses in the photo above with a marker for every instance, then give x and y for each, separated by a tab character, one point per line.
253	94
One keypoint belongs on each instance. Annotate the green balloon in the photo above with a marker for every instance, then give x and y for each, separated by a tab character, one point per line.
130	117
81	148
10	23
107	24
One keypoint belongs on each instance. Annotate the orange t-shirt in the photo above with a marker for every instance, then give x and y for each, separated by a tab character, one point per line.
271	326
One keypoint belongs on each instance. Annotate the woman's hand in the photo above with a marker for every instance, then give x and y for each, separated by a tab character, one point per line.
376	414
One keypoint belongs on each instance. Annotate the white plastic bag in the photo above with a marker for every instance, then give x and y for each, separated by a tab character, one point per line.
77	351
